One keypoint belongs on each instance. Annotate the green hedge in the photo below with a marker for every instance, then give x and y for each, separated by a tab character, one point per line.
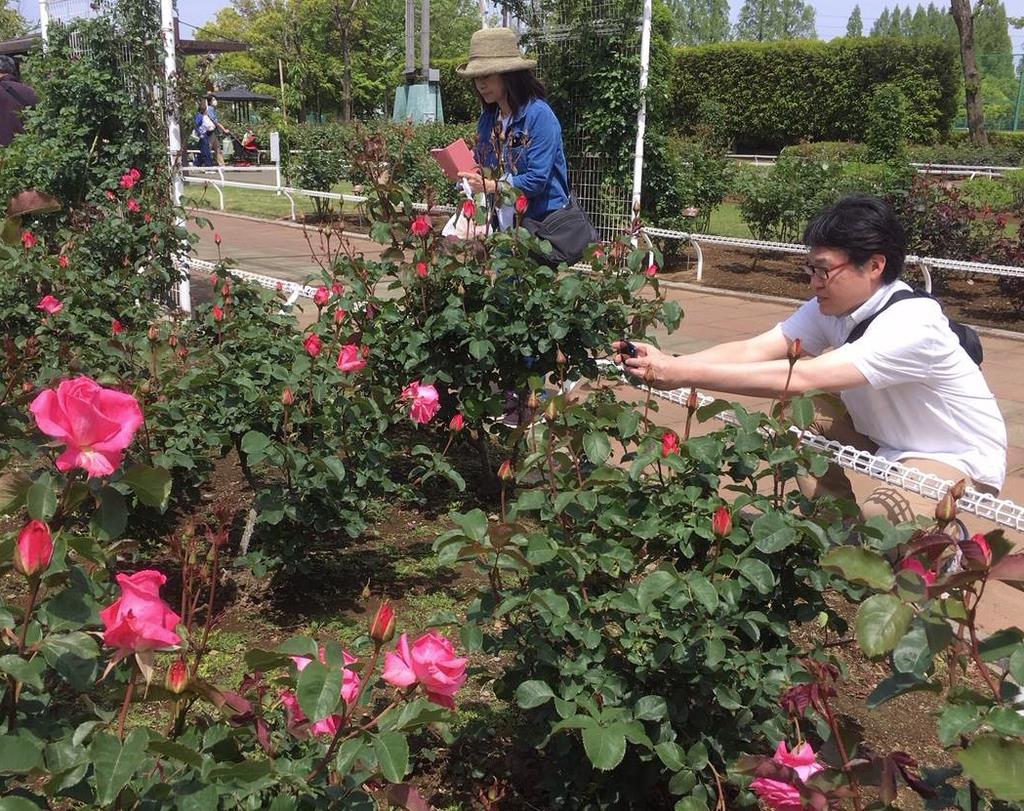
461	105
779	93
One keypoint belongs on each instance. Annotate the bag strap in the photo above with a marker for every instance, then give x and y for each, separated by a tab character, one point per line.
13	94
900	295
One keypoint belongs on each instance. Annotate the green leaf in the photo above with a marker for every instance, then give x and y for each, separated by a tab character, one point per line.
256	446
41	501
533	693
691	803
882	621
705	592
860	565
628	422
17	804
650	708
480	349
1006	721
299	646
319	689
151	485
392	751
957	720
758	573
771	533
997	765
653	586
19	753
75	656
801	410
203	798
115	763
597	447
604	745
473	523
896	685
29	672
913	653
671	754
1001	644
471	636
1017	665
176	751
109	521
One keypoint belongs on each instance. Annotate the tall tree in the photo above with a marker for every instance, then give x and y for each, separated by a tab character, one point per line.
881	26
765	20
972	77
855	25
992	40
12	24
699	22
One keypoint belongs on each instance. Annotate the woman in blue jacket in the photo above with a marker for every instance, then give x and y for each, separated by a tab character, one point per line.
519	137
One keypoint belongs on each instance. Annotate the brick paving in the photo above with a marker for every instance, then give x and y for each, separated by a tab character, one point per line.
710	317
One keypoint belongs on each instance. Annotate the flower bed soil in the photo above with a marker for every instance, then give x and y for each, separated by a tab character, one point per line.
975	299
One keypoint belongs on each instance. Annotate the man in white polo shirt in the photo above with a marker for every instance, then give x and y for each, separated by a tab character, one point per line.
908	391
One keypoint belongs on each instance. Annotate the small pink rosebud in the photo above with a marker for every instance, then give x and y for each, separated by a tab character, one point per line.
28	239
794	351
127	181
116	327
721	522
135	174
506	471
110	195
669	443
218	313
133	206
522	204
945	510
313	344
421	269
337	288
382	629
652	270
147	218
533	401
691	400
225	289
172	340
183	352
457	423
287	398
216	237
63	260
469	209
177	677
27	387
321	297
279	287
339	315
34	549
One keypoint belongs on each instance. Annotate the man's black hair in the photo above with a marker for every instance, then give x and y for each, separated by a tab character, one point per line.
861	225
521	86
8	65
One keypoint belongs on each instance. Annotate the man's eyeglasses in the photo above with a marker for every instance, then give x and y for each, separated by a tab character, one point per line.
824	273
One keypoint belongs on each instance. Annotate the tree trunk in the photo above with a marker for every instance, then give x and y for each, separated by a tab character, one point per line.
343	23
961	10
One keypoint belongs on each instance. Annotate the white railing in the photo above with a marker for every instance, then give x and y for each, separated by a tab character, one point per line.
946	169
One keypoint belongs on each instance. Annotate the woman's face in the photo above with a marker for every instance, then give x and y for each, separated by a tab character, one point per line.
491	88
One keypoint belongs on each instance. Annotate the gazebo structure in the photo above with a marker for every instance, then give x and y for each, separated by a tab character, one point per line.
241	101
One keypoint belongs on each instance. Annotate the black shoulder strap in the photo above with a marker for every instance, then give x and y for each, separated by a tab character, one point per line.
899	295
14	94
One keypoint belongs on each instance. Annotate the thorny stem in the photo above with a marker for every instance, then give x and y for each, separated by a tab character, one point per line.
208	620
834	726
128	693
976	652
13	685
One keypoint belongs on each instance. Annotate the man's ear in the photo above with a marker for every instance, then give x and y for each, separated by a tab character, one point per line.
876	265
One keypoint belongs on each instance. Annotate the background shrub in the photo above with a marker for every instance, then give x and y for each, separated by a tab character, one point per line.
779	93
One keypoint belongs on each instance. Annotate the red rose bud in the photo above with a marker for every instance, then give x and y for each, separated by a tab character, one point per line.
505	471
337	288
218	313
652	270
691	400
421	269
287	398
27	386
34	549
522	204
153	333
225	289
321	297
945	510
177	677
382	629
457	423
957	490
116	327
794	351
669	443
339	315
183	352
63	261
721	522
977	550
28	239
421	226
216	238
469	209
313	344
172	341
533	401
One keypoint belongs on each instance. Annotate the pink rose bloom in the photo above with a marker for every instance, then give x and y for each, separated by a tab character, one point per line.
421	225
352	358
50	304
110	195
652	270
422	270
34	549
313	344
425	402
133	206
431	662
321	296
140	620
135	175
780	795
339	315
116	327
349	692
96	424
914	565
337	288
28	239
63	260
127	181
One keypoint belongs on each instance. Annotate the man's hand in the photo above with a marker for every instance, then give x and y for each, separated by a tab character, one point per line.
654	367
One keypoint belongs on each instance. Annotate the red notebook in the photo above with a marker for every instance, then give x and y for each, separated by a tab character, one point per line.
455	158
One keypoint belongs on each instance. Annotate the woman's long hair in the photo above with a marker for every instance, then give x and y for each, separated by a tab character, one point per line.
521	87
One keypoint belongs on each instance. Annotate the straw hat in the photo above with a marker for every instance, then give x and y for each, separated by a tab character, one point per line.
494	50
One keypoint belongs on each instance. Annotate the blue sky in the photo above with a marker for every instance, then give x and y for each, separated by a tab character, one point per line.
831	14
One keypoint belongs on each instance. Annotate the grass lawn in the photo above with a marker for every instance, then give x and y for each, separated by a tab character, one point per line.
727	222
256	202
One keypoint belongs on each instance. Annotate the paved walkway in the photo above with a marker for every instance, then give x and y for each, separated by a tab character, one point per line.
710	317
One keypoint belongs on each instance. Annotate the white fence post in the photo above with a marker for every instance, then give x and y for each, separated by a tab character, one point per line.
641	115
174	133
44	22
